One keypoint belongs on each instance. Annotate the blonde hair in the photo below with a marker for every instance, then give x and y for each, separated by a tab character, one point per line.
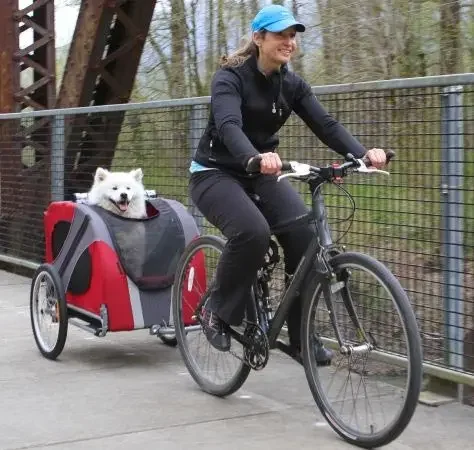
247	49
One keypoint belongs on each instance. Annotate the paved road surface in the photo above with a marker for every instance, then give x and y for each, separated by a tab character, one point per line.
128	391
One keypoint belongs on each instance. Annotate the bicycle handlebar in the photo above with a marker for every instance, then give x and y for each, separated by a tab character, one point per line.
302	170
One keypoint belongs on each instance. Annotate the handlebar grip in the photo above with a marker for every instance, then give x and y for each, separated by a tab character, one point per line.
285	165
253	166
389	155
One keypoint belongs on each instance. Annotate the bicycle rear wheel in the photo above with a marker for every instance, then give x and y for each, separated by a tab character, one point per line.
217	373
379	365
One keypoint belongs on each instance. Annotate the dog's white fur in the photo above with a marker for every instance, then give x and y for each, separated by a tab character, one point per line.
122	193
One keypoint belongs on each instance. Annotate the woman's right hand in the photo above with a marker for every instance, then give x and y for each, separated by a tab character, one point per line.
270	163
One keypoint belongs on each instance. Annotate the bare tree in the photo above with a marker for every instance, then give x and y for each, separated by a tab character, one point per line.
254	7
298	58
331	55
197	87
177	84
450	36
210	54
221	29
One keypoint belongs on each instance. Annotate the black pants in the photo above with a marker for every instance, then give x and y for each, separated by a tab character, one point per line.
224	202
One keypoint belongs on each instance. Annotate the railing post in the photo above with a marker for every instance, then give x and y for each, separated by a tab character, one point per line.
452	169
57	158
197	124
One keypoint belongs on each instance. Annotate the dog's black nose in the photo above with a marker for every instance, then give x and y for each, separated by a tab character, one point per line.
123	196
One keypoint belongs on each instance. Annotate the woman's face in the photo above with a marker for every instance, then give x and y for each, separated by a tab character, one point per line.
276	48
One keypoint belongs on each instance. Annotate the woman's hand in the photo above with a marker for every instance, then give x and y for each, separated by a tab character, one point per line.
270	164
377	157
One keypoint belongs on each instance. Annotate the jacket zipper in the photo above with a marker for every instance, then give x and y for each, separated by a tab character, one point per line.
274	110
211	157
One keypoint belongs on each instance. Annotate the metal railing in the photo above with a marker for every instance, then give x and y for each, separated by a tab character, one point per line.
419	222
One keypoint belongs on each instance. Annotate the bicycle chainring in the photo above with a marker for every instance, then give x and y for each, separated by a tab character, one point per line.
257	349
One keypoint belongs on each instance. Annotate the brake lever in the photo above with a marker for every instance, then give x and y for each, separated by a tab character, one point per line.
287	175
299	170
362	168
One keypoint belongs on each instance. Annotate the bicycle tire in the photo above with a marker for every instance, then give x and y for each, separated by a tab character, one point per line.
243	371
50	272
414	349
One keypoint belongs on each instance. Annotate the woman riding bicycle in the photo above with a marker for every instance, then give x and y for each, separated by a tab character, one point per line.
252	96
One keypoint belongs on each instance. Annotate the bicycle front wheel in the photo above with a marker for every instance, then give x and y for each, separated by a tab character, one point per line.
217	373
370	391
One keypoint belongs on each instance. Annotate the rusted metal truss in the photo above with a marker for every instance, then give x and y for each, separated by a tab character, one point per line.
9	84
27	81
101	68
29	75
9	71
37	64
40	91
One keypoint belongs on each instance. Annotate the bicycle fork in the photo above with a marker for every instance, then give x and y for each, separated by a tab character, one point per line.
331	287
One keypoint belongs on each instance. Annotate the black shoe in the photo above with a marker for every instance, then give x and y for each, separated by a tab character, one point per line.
215	330
323	355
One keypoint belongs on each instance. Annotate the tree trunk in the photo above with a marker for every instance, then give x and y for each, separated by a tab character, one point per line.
254	7
450	36
210	55
244	25
221	30
177	86
192	54
298	57
331	54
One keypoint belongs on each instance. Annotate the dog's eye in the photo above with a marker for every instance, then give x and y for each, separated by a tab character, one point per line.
128	188
115	188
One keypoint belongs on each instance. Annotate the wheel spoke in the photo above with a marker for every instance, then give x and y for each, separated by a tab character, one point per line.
48	311
381	397
219	373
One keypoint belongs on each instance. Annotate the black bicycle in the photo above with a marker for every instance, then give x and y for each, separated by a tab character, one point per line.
351	302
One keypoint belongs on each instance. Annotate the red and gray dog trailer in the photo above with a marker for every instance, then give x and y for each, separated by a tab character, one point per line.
106	273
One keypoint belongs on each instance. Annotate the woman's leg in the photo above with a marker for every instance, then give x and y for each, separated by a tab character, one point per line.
225	204
280	202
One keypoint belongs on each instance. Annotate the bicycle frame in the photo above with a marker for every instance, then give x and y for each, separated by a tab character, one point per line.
315	260
321	240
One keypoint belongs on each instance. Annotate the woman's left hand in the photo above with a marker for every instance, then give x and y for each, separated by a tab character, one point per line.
377	157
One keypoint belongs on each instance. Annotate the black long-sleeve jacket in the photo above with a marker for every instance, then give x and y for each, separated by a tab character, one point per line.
248	109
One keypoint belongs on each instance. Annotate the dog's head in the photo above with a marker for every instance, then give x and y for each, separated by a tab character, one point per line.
121	189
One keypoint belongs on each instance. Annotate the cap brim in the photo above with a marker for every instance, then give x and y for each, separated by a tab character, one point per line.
284	24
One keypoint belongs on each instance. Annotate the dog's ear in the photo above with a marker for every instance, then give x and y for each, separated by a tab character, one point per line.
137	174
100	174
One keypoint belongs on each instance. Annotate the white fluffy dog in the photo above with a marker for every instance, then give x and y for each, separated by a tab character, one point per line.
121	193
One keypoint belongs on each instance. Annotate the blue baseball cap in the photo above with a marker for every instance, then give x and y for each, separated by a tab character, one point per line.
275	18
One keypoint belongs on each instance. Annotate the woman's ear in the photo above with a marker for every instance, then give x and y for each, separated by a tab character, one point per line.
257	38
